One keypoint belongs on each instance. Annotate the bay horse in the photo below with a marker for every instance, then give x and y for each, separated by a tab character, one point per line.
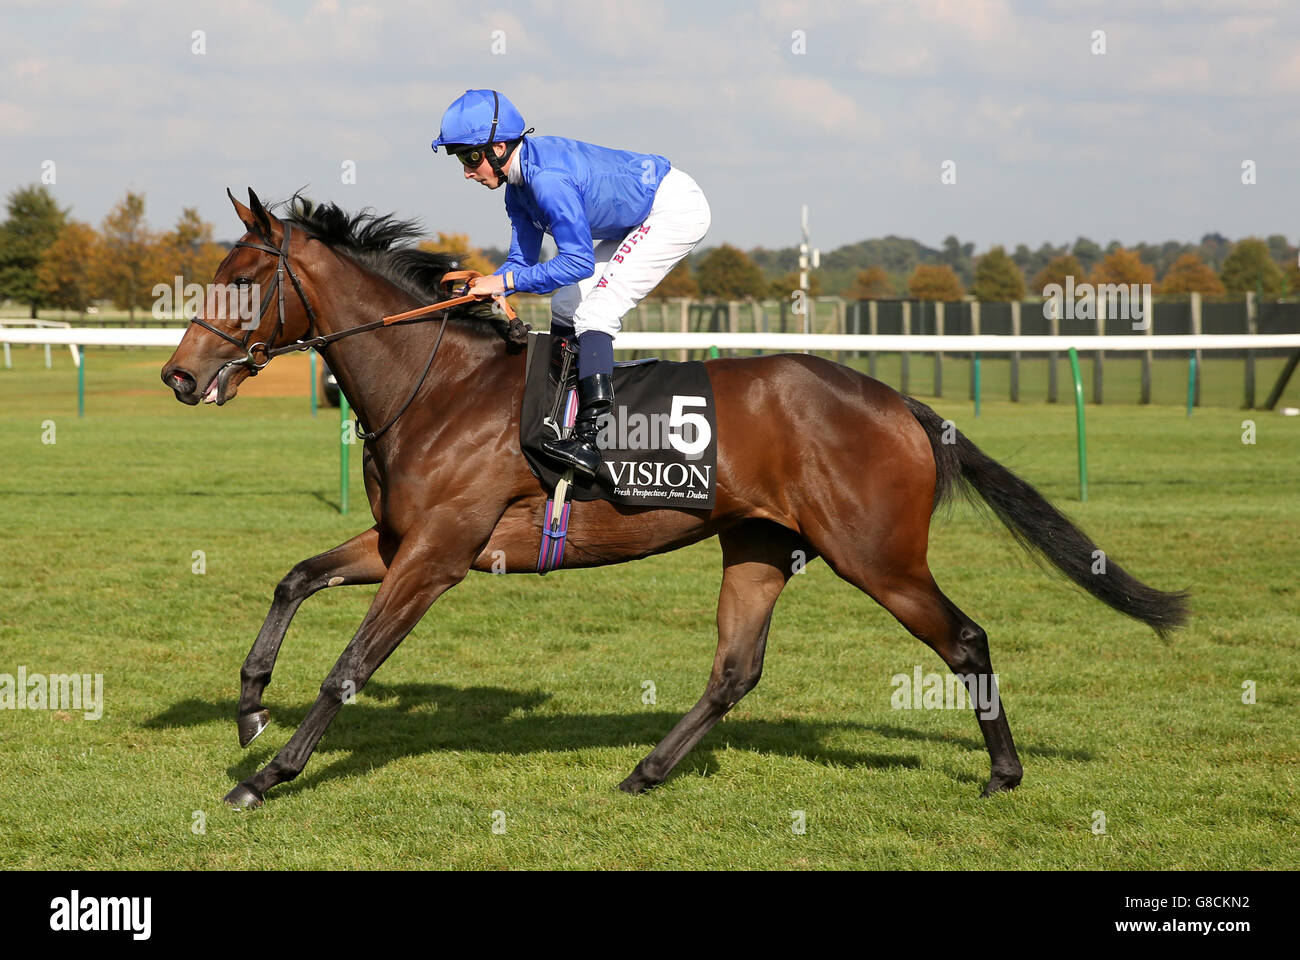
814	459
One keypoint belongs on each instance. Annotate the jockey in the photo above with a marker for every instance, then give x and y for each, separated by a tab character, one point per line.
620	221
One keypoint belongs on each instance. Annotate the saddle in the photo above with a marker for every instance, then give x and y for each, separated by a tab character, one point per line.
658	443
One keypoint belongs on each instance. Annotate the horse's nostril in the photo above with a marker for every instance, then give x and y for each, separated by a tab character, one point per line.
178	380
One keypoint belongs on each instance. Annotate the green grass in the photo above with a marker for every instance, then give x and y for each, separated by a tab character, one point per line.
523	694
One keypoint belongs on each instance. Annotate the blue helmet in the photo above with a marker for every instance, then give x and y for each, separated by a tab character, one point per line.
480	117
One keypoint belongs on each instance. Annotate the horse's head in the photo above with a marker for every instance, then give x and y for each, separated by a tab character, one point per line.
261	304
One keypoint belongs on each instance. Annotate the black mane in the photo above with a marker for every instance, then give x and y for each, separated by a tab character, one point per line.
385	245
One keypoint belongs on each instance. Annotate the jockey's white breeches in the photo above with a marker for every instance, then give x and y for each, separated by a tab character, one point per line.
627	270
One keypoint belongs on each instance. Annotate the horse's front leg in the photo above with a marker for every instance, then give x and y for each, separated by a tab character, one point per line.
358	560
418	575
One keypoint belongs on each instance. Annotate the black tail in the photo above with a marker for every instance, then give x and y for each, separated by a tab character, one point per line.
1041	528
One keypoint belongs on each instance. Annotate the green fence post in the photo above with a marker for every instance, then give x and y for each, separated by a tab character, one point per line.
1191	381
311	385
1078	416
975	380
713	352
81	381
344	427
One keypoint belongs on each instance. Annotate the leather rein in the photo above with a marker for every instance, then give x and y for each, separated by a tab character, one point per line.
269	351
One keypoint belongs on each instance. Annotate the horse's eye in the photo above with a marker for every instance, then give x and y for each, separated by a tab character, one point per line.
243	281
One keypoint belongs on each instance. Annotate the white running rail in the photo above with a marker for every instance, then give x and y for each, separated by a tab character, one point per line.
824	342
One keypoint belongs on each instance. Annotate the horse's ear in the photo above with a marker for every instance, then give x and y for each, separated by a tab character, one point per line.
266	221
246	215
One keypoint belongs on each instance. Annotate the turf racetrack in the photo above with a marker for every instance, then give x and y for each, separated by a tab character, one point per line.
519	702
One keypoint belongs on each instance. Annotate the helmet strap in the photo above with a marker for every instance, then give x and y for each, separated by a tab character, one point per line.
493	160
496	162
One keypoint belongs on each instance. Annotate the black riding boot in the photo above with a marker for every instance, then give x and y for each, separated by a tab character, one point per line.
579	450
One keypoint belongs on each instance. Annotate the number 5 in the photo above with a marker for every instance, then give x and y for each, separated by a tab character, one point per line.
678	419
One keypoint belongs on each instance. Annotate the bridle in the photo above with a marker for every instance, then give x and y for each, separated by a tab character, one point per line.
282	267
270	351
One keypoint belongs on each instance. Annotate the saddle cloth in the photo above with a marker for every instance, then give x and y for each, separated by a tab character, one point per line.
659	443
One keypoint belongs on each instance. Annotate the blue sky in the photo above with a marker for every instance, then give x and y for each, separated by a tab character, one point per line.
1050	140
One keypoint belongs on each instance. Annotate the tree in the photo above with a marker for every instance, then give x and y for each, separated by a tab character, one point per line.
783	287
775	262
1189	273
871	284
1057	270
1041	258
1122	266
33	224
1292	276
900	255
125	259
1162	256
678	283
63	278
470	256
728	273
935	282
1281	250
189	251
997	278
958	256
1249	266
1087	252
1214	248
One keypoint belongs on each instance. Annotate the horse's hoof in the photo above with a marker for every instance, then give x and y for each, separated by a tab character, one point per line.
1000	785
243	798
251	724
637	782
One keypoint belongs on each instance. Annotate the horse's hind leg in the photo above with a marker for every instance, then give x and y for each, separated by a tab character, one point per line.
355	561
931	617
758	558
901	582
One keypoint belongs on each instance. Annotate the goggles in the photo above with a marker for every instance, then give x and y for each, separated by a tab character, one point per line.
469	156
